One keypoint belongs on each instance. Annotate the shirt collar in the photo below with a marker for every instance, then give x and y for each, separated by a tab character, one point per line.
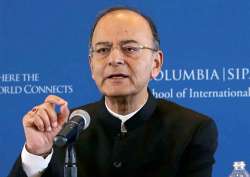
123	118
138	119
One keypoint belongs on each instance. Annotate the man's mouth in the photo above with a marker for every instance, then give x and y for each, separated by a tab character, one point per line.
117	76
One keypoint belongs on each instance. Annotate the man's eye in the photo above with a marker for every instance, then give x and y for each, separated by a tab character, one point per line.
130	49
103	50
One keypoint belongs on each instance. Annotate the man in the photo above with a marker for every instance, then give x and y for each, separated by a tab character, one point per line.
131	134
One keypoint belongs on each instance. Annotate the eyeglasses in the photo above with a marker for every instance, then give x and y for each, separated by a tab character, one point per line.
130	49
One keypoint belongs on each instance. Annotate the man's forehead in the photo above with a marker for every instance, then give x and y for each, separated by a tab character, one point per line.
122	22
122	13
121	17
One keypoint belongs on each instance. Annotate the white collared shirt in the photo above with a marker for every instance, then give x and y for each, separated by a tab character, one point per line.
123	118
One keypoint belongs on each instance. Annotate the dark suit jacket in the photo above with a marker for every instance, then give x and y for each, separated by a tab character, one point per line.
163	139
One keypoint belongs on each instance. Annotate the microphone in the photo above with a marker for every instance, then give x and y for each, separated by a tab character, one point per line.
78	121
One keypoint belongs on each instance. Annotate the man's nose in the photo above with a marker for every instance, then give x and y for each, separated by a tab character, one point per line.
116	57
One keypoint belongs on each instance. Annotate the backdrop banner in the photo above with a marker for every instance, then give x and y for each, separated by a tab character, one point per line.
206	45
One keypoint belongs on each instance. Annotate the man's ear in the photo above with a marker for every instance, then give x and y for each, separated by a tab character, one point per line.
91	67
157	64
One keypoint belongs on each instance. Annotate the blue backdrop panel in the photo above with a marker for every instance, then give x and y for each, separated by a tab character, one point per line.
206	44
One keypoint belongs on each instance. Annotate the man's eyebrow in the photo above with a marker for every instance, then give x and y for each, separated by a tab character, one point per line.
128	41
121	42
103	43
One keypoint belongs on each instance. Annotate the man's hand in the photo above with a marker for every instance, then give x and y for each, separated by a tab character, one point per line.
42	124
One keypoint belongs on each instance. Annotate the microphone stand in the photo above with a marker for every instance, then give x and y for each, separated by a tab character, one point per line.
70	167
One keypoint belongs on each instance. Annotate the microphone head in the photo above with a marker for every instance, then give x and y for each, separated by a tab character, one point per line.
78	121
83	114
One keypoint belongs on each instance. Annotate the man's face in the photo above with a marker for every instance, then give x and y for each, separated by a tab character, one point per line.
116	68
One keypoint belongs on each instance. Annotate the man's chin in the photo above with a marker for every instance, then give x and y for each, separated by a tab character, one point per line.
118	93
